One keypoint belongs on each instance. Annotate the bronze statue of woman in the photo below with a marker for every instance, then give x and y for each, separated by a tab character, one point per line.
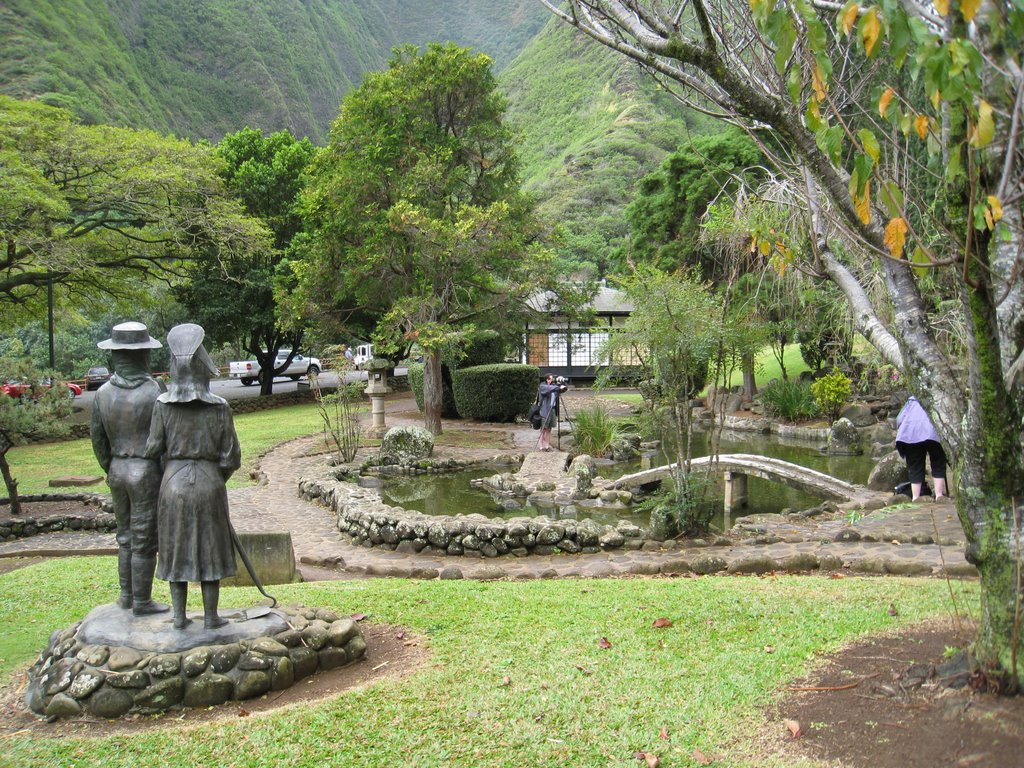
193	432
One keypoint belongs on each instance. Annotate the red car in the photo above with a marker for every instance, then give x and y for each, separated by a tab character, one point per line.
15	388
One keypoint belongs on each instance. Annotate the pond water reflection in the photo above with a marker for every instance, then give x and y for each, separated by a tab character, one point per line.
451	494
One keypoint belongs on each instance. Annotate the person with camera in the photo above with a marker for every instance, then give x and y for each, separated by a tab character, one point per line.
547	396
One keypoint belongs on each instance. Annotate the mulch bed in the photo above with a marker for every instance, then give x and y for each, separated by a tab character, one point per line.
865	706
43	509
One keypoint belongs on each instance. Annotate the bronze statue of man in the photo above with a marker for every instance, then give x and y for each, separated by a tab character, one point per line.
121	415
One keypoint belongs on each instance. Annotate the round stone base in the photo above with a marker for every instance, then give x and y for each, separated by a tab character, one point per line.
112	663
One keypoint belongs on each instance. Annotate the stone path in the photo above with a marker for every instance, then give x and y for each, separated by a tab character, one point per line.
897	541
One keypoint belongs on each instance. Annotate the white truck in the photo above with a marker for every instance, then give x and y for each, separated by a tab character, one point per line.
364	353
248	371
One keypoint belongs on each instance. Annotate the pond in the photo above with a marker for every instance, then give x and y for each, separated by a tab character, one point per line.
450	494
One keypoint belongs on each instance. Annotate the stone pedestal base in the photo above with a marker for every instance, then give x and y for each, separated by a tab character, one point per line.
113	663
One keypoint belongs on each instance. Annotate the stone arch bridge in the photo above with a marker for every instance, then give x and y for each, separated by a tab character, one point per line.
736	467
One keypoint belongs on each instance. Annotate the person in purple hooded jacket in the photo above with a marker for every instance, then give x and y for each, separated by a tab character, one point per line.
916	438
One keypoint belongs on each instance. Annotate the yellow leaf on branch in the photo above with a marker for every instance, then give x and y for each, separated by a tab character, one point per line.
997	207
883	103
921	126
818	82
863	204
849	15
982	133
942	6
969	9
870	29
896	236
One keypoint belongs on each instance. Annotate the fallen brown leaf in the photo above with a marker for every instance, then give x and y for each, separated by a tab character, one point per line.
506	681
892	610
700	758
604	643
651	759
243	712
358	616
664	733
662	623
793	726
584	670
769	649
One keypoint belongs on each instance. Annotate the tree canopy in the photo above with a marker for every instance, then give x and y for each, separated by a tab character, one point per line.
237	299
895	134
93	208
415	210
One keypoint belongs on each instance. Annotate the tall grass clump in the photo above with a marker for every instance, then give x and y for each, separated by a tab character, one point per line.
594	430
789	400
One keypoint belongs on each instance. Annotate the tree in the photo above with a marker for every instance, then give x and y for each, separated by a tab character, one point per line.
41	412
415	210
92	208
665	217
237	298
680	334
897	128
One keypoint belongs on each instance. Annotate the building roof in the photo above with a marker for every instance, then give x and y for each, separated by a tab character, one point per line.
605	301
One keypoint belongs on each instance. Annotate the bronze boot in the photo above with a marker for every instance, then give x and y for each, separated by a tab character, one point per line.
179	598
142	587
124	576
211	596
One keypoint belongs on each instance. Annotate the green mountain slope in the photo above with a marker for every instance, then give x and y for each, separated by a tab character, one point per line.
591	123
202	68
592	126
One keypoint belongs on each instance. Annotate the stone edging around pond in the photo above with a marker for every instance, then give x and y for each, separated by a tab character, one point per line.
369	522
72	678
23	527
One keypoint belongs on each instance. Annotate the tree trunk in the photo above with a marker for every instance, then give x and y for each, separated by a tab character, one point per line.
433	391
11	483
266	377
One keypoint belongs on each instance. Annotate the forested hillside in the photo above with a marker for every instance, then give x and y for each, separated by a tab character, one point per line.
592	124
202	68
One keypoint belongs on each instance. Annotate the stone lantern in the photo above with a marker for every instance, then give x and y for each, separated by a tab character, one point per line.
376	387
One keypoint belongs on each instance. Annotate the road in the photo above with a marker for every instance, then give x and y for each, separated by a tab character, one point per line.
232	389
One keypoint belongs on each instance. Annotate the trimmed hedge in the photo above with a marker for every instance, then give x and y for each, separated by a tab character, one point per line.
448	409
498	392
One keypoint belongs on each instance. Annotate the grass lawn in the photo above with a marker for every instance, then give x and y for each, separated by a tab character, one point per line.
517	675
34	465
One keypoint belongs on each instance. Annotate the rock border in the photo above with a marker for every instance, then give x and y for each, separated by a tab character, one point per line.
368	522
72	678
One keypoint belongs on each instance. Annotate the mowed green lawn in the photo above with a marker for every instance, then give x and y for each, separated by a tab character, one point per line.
517	673
34	465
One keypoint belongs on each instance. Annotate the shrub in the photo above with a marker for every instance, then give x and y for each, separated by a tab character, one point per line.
339	412
683	505
830	392
789	400
499	392
486	350
448	409
594	431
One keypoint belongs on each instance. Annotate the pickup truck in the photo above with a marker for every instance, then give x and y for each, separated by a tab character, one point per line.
248	371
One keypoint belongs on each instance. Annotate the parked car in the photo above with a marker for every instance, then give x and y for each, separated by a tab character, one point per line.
248	371
15	388
95	378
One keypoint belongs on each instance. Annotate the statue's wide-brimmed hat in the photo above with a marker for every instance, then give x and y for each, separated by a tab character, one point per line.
130	336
